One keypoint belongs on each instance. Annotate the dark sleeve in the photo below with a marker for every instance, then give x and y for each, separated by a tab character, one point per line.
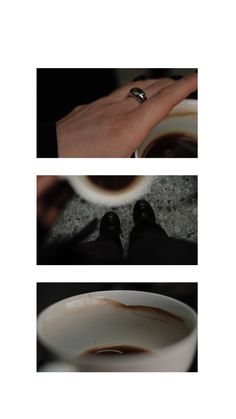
47	140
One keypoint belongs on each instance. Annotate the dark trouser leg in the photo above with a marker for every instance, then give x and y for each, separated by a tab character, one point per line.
107	249
149	244
103	251
97	252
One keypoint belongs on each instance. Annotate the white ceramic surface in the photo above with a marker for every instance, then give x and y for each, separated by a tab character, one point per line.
58	366
84	187
182	118
80	323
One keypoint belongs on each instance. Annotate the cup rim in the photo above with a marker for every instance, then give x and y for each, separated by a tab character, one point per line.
95	195
165	350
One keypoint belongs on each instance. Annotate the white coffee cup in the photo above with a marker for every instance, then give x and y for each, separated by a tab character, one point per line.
164	327
83	186
182	119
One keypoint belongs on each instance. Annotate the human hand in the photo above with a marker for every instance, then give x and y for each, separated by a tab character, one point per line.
115	125
52	195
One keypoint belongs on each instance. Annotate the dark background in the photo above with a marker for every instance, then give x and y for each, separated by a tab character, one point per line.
49	293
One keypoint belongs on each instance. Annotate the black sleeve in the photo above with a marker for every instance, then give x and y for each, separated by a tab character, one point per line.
47	140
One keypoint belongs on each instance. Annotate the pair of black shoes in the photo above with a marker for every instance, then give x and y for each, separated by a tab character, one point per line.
142	213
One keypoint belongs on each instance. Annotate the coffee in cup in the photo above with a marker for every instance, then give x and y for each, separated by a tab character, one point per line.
172	145
113	183
175	135
114	351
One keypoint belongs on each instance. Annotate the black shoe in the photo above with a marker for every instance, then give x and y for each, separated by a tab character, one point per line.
110	225
143	213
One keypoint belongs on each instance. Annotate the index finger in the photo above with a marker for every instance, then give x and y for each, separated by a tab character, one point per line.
149	113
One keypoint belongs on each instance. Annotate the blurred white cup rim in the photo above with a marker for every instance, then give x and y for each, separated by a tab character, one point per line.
101	196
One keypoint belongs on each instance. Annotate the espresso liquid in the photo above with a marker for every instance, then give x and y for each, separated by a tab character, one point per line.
112	183
172	145
114	351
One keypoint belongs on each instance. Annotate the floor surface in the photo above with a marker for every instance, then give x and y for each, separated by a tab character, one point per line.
173	198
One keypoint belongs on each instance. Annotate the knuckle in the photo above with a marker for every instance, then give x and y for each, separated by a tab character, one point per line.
166	80
164	94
